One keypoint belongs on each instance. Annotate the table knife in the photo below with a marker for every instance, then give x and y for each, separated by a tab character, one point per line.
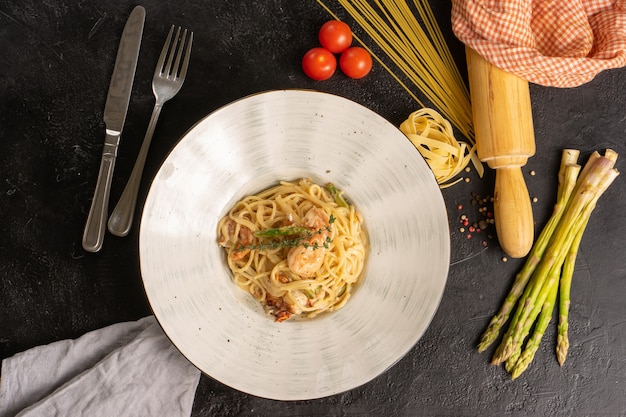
115	110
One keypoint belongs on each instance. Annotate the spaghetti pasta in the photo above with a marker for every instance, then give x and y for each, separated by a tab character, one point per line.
297	248
412	39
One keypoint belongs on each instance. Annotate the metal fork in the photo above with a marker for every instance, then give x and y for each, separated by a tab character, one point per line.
167	81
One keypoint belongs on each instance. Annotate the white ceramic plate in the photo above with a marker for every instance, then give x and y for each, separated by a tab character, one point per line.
248	146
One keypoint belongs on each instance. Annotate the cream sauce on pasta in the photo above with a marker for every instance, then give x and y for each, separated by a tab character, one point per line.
297	248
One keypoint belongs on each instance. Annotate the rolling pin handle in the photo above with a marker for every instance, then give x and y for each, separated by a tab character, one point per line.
513	212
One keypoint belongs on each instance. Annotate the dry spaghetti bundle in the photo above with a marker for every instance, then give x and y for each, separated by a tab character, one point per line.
413	41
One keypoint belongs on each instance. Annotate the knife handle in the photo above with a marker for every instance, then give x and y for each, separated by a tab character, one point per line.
95	228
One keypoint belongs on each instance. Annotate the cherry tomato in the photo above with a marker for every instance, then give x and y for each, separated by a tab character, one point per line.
355	62
335	36
319	63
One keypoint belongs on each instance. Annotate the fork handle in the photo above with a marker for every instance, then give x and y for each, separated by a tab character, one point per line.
121	219
93	236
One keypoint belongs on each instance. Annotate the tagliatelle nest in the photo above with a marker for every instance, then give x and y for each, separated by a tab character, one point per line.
433	137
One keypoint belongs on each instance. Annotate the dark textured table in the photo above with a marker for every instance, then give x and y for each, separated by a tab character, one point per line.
56	60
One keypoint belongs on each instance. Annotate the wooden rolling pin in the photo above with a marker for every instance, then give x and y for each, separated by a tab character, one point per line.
505	140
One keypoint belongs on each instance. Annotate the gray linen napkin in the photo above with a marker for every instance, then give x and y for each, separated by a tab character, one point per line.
127	369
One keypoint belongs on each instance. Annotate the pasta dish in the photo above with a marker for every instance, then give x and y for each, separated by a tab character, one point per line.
298	248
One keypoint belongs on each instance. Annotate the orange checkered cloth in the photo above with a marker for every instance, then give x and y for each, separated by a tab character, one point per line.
559	43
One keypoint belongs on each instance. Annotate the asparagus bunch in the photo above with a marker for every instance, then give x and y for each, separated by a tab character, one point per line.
549	267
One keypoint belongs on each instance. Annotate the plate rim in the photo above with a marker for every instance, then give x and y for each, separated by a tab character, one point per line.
446	264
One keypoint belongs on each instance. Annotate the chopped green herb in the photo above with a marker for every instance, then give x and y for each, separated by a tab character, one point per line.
310	294
342	290
288	237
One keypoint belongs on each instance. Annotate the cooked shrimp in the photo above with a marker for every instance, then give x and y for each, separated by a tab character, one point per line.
236	240
317	219
306	261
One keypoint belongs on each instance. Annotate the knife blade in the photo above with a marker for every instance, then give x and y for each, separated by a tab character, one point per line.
115	111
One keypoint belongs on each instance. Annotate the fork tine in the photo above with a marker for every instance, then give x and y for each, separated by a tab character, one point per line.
172	50
183	69
180	45
166	47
